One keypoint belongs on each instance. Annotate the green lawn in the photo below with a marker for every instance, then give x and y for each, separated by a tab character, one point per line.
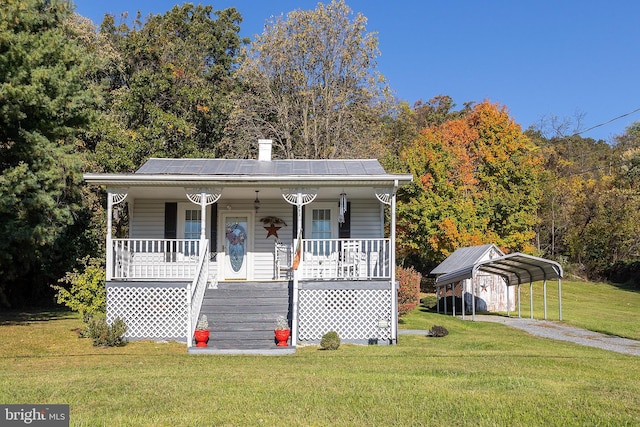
481	374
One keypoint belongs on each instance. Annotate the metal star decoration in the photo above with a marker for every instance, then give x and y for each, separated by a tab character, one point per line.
272	230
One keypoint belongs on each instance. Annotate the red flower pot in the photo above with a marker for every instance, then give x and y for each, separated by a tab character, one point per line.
282	336
201	336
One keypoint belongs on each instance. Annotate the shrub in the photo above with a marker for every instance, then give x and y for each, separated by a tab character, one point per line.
106	335
330	341
203	323
438	331
625	272
409	289
87	294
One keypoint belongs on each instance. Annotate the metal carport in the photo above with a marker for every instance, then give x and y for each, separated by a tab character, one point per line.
515	269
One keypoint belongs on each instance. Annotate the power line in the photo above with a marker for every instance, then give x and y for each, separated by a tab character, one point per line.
563	139
607	122
610	166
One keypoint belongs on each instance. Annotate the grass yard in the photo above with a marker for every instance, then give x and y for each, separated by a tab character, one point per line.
599	307
481	374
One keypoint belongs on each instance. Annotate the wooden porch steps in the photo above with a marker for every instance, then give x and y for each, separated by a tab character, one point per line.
242	315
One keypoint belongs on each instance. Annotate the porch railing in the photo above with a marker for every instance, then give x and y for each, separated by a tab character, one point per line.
349	259
154	258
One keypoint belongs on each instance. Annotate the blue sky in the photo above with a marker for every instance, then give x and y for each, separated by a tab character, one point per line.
538	58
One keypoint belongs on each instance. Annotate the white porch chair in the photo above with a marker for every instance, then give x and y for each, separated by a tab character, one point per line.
123	262
350	259
282	261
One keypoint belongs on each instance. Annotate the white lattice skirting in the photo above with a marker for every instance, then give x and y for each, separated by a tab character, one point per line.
357	315
149	311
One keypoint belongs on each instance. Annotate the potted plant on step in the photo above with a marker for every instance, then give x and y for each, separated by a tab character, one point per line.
282	331
201	333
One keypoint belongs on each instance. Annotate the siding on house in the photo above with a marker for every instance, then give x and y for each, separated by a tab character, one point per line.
367	219
263	246
147	221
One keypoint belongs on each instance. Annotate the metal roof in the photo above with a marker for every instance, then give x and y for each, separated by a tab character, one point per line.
261	173
516	268
250	167
463	257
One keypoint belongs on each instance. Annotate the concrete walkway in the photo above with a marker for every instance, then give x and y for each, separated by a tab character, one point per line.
558	331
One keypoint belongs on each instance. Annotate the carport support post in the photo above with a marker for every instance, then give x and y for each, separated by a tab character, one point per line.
464	290
473	297
544	290
508	301
531	300
519	305
453	299
560	297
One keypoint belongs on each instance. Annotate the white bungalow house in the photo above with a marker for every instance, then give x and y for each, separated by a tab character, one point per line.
223	238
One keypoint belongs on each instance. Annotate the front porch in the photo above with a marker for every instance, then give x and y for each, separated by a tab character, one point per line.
160	287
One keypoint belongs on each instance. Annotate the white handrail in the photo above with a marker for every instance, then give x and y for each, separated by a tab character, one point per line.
196	290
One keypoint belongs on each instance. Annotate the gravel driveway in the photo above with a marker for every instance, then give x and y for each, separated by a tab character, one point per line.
561	332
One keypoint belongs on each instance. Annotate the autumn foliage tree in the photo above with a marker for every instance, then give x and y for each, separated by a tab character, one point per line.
476	181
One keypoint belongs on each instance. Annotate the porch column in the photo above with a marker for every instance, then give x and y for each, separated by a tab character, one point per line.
114	196
204	198
388	197
297	197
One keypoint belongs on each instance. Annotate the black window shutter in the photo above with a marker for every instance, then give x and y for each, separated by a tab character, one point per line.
170	220
213	244
344	230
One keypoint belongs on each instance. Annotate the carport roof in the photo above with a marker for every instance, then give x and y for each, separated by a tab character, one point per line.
516	268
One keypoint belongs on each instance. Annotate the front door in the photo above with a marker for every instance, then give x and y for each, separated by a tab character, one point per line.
236	246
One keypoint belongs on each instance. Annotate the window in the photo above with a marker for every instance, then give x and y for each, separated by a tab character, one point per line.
321	224
192	223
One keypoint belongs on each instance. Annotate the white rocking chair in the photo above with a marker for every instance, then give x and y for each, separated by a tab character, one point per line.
350	260
282	261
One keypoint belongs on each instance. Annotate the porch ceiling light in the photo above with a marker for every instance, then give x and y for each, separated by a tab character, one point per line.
256	202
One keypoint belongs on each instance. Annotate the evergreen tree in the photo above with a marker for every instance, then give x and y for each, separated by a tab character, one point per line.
44	101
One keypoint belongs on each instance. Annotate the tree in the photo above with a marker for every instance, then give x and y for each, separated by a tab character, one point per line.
311	86
44	102
169	95
605	213
476	181
404	126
